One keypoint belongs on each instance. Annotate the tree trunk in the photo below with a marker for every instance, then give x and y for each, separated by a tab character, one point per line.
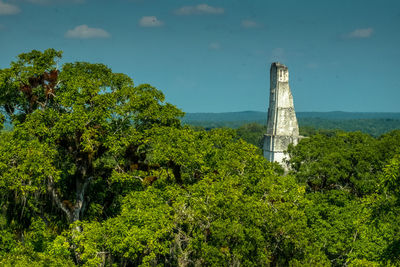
53	193
73	213
79	199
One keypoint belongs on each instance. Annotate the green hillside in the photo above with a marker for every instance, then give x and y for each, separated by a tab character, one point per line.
95	171
373	123
256	116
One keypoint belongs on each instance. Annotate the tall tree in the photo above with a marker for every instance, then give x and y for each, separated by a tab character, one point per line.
74	125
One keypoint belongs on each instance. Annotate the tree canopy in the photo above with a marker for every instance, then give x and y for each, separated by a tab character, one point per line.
97	171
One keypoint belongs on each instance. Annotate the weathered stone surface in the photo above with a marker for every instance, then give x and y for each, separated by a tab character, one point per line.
282	127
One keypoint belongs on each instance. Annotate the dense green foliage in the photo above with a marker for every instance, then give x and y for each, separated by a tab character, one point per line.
310	123
255	116
96	171
352	180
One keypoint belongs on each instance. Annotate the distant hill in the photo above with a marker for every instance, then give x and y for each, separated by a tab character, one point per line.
250	116
341	115
257	116
374	123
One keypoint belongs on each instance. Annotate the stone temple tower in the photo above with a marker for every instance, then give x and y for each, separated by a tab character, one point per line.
282	127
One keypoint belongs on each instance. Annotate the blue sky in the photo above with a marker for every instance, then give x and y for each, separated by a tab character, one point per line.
214	56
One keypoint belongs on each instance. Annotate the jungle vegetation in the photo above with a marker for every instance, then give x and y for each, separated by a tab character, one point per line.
373	123
97	171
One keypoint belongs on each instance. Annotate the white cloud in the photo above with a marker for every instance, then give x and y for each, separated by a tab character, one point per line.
48	2
85	32
214	46
199	10
8	9
40	2
360	33
246	23
150	21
